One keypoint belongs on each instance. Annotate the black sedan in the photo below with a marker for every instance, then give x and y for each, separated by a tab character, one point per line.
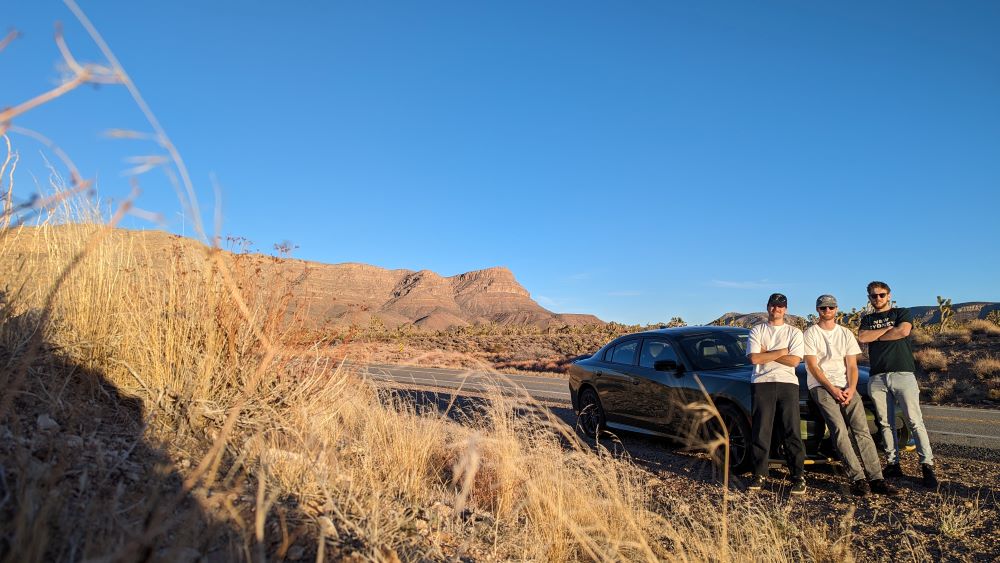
648	382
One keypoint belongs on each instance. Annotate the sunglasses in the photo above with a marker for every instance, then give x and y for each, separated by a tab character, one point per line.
827	308
877	295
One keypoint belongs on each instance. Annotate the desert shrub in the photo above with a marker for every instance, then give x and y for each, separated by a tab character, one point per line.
993	388
958	517
921	337
986	367
943	391
955	334
983	326
931	359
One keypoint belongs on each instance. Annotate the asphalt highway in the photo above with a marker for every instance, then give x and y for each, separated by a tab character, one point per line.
946	425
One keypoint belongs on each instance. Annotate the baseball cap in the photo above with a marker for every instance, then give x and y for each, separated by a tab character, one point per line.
826	301
777	299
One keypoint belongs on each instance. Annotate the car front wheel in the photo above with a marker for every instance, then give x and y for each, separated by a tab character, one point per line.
590	420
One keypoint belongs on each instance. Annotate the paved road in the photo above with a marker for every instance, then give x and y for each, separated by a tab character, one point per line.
946	425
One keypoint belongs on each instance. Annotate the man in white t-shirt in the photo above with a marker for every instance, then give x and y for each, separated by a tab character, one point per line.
774	349
831	353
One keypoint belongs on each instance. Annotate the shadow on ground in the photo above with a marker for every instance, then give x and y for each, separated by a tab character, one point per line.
78	478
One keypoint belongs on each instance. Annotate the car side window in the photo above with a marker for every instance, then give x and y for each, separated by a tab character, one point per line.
625	353
654	351
715	351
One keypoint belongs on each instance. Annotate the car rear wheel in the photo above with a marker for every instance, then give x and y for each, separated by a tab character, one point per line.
590	420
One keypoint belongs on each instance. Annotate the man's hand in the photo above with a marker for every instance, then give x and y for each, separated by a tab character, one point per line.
848	395
837	393
784	351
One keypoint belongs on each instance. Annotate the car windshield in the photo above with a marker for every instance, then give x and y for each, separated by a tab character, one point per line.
718	350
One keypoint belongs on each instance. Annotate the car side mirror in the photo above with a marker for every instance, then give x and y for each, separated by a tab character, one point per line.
665	365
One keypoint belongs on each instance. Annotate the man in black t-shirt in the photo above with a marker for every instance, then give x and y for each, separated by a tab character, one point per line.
887	332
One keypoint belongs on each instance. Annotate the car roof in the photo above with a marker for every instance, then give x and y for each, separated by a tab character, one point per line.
680	331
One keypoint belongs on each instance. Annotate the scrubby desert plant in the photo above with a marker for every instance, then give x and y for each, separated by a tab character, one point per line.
987	367
955	334
958	517
931	359
943	390
921	337
983	326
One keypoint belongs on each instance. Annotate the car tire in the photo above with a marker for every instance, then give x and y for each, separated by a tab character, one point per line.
591	419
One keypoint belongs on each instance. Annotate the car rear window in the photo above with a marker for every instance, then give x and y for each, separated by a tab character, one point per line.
624	353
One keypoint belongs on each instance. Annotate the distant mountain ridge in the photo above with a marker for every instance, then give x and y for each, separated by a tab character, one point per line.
923	314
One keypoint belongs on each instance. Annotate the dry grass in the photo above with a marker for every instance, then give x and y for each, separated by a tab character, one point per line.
987	367
983	326
955	334
959	517
921	336
931	359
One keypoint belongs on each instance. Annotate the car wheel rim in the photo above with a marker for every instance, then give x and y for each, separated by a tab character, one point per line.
737	441
590	416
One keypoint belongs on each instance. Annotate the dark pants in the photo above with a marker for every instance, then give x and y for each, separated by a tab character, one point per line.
779	401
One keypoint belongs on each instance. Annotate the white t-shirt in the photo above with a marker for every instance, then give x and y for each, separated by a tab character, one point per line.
763	338
830	347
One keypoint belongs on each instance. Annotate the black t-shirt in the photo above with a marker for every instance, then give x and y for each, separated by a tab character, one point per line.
891	355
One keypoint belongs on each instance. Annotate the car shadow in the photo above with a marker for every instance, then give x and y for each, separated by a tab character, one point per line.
79	479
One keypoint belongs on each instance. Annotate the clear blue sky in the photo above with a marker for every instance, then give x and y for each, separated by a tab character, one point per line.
636	160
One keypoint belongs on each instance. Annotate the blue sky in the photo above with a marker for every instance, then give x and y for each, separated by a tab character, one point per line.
637	161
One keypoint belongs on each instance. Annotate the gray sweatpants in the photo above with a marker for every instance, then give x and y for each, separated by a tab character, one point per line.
845	422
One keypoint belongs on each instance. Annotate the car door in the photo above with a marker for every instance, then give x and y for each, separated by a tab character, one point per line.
655	401
614	381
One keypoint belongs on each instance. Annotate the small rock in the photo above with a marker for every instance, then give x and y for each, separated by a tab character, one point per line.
74	442
46	424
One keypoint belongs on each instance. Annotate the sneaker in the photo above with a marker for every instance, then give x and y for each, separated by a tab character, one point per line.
880	487
892	470
930	480
798	486
860	488
757	483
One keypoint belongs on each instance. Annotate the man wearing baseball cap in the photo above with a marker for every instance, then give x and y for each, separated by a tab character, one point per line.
831	354
774	349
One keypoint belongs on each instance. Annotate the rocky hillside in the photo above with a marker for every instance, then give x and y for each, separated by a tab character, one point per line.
340	295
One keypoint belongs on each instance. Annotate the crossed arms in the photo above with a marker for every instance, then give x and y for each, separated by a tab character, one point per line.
780	355
884	334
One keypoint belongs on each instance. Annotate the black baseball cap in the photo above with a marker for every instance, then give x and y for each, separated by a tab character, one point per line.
777	299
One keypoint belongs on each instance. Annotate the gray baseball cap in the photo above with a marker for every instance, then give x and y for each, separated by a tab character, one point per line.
826	301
